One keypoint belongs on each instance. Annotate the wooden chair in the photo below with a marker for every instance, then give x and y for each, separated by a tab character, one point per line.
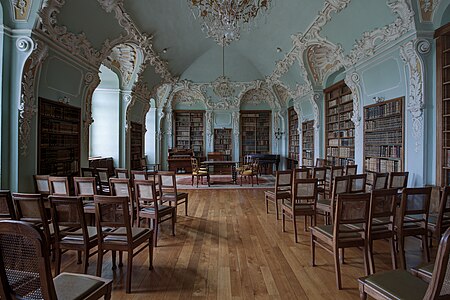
25	271
414	211
199	172
7	211
251	172
302	173
86	188
351	209
379	181
398	180
138	175
103	180
283	186
121	187
331	173
320	174
41	185
71	230
351	170
357	183
424	272
381	224
400	284
147	207
438	224
59	185
121	173
321	162
114	232
325	207
302	203
168	191
88	172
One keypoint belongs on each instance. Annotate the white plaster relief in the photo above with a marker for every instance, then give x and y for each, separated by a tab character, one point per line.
314	99
124	59
209	128
353	81
91	80
27	105
416	101
21	9
427	9
236	122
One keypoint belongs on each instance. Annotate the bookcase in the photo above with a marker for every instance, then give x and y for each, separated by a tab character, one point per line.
442	36
255	132
189	131
383	136
136	147
308	143
294	137
223	142
58	138
339	129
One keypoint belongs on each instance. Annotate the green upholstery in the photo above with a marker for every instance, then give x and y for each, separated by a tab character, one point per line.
397	284
73	286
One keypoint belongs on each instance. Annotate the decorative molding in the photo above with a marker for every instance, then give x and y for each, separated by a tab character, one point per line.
298	111
223	87
314	99
123	58
21	9
353	81
427	8
209	128
27	106
236	124
409	53
256	96
130	101
91	80
323	59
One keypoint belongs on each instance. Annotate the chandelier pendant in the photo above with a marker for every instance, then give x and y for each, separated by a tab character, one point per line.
223	19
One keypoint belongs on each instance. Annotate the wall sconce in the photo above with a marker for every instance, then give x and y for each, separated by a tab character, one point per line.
278	133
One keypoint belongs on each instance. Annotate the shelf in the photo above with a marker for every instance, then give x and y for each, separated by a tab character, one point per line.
256	132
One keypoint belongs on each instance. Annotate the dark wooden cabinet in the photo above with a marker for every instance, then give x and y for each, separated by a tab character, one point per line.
223	142
294	137
308	143
255	132
136	146
339	128
189	131
58	138
442	36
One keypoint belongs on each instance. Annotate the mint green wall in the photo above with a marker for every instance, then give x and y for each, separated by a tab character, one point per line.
8	19
150	136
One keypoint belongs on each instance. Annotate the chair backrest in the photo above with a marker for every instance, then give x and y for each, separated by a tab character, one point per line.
145	194
320	162
439	287
120	187
351	170
398	180
283	181
88	172
331	173
380	181
302	173
167	182
194	164
85	186
112	212
103	175
7	210
443	220
383	204
68	217
247	159
415	202
59	185
41	184
357	183
30	208
121	172
143	164
304	194
25	271
138	175
319	173
350	209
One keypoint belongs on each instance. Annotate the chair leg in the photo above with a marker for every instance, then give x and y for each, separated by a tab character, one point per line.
371	261
99	262
58	260
85	260
401	245
295	227
362	293
78	257
173	223
393	254
150	253
313	250
267	204
120	259
186	206
192	180
277	211
129	270
305	224
337	268
427	249
113	259
283	218
155	232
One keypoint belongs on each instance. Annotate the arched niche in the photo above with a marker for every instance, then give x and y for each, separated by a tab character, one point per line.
188	99
257	99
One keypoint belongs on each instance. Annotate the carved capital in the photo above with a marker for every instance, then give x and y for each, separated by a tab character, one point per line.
352	80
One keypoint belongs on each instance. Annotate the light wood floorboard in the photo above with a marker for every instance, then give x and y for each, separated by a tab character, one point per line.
229	248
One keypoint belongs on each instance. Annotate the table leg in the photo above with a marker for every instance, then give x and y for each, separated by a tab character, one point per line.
233	174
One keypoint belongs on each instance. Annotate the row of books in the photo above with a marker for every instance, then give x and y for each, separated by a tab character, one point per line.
384	110
382	165
384	151
393	123
341	125
342	133
394	137
342	152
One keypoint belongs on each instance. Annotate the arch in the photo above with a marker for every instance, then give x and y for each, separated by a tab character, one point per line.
441	14
186	96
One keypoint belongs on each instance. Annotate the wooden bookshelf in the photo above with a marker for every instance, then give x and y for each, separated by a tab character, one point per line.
223	143
339	128
136	146
294	137
384	137
255	132
58	138
308	143
442	36
189	131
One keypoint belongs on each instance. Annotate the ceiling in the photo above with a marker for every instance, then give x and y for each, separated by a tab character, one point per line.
190	55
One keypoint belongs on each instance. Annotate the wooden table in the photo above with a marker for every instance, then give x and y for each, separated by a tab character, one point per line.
224	163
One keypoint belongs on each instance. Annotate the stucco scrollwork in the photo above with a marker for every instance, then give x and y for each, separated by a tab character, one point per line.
236	122
91	80
298	111
427	9
314	99
21	9
209	127
352	80
130	101
124	59
416	102
27	106
24	44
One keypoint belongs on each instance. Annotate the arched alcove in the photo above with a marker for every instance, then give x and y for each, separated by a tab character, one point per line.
104	132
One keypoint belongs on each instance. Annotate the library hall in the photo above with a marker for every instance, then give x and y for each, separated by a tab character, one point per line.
224	149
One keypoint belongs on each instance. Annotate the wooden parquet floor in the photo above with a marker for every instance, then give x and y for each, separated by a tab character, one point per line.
229	248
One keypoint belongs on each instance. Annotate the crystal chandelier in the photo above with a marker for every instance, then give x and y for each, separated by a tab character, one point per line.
223	19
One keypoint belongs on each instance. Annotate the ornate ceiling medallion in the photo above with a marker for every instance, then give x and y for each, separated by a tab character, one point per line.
222	87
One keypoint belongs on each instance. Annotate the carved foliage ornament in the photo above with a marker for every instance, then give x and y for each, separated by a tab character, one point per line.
236	116
352	80
427	9
124	59
27	106
91	80
21	9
